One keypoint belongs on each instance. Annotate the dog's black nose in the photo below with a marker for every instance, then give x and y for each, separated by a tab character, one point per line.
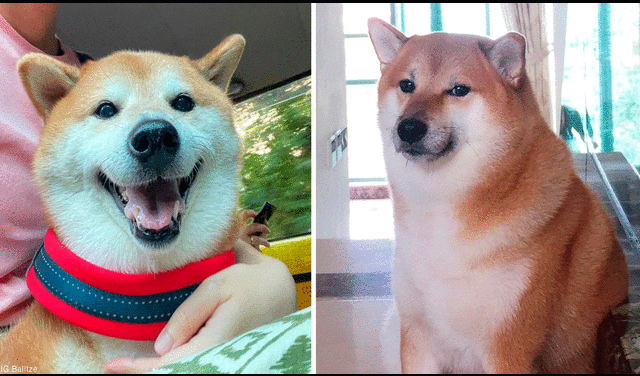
412	130
154	143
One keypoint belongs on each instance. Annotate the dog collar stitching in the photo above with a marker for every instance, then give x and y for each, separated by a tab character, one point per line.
128	316
96	302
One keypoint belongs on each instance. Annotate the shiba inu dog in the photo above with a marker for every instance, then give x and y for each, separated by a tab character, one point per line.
138	167
505	261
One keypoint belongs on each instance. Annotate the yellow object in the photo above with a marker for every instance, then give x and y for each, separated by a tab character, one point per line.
296	254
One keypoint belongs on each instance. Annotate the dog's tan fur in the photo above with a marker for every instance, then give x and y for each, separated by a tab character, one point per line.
505	261
66	98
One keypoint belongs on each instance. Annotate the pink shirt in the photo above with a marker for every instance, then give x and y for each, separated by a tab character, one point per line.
22	225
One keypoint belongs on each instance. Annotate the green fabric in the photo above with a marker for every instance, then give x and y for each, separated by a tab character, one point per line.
283	346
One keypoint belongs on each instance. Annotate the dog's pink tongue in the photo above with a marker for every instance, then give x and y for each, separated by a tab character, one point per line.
153	205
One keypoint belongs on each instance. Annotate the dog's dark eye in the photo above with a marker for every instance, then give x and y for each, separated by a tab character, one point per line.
407	86
183	103
459	91
105	110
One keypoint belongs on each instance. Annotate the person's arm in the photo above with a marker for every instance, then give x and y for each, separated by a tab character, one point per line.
35	22
256	291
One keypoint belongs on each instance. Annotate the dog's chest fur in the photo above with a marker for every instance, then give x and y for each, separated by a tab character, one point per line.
90	353
440	286
111	348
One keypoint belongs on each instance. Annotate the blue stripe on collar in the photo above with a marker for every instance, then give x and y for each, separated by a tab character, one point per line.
135	309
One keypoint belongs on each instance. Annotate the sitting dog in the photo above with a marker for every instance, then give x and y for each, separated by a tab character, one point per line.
505	261
138	168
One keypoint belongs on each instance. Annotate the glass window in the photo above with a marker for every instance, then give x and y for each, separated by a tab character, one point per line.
361	60
358	13
276	126
470	21
602	78
364	137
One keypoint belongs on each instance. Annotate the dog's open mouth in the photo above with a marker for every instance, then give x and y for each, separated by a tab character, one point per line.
155	209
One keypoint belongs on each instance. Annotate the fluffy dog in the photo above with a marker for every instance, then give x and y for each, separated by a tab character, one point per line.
505	261
138	168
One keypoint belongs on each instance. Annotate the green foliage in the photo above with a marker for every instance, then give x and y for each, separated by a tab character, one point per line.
277	164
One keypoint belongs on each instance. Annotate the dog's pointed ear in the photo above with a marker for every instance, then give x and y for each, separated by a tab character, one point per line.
220	63
507	55
386	40
46	80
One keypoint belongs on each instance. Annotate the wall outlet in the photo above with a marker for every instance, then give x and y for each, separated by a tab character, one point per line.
338	144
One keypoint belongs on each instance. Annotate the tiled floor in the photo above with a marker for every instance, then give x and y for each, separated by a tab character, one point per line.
356	325
357	336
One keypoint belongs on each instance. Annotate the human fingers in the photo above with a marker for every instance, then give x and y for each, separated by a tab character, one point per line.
193	313
129	365
256	241
246	214
258	228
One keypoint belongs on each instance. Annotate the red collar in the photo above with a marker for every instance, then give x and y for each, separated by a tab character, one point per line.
127	306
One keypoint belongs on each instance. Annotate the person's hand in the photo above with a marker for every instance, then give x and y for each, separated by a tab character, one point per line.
256	291
254	233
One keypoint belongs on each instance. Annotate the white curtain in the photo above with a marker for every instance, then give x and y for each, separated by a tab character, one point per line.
529	20
559	39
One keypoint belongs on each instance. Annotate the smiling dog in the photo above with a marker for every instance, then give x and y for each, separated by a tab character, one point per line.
138	168
505	261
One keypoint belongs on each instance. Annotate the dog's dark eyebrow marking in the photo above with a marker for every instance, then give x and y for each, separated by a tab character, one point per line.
456	81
